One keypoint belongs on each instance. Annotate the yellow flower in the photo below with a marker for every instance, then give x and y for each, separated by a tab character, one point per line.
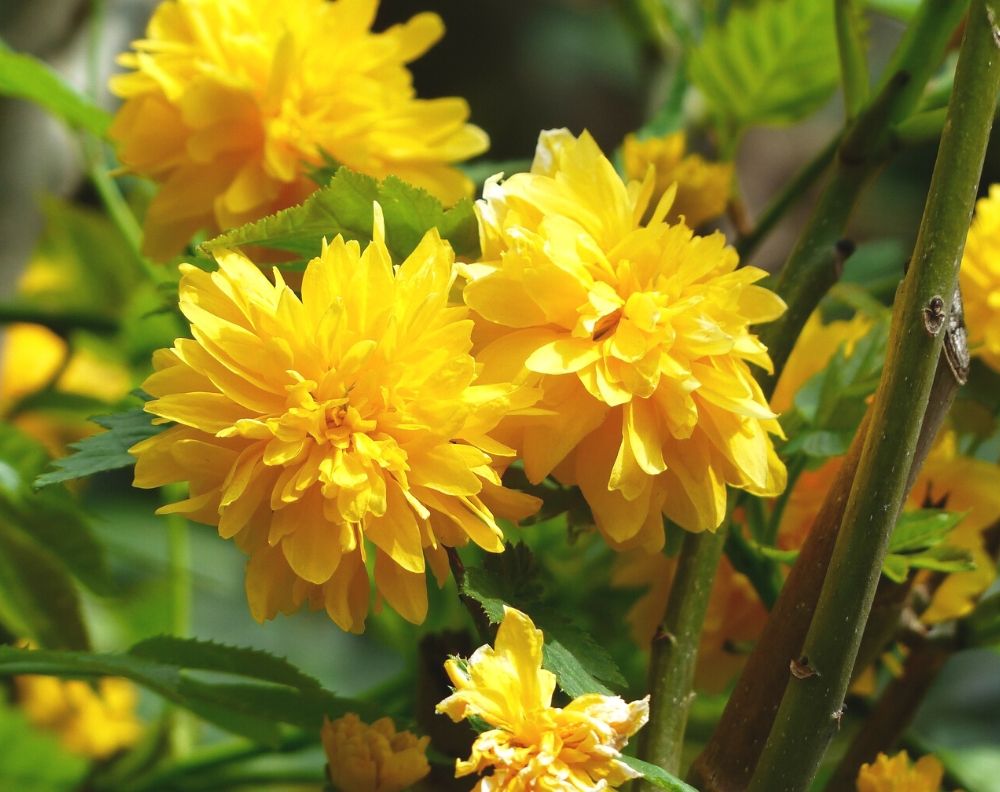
95	723
230	103
638	335
702	187
533	745
735	613
311	428
376	758
980	280
897	774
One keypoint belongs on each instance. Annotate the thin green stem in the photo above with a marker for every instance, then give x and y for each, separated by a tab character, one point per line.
675	650
183	726
62	323
793	192
814	264
810	708
853	61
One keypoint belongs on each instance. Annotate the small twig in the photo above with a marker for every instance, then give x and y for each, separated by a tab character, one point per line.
479	617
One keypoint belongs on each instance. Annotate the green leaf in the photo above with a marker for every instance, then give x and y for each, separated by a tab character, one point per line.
922	528
33	760
243	702
25	77
37	597
657	776
580	664
106	450
344	207
774	63
982	626
212	656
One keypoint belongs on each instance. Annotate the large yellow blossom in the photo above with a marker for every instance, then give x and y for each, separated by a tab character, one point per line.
735	615
638	335
532	745
230	103
702	187
898	774
376	758
980	279
315	430
92	722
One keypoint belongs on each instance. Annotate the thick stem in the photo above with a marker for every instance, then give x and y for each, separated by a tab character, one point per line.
809	711
868	142
675	650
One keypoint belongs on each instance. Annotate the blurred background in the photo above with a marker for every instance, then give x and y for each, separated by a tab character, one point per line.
523	65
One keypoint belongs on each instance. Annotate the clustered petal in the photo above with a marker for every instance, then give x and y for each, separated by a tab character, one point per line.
327	431
898	774
703	187
375	758
95	721
533	745
980	280
638	336
230	103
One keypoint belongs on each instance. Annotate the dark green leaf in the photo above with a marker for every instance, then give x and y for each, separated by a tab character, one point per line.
657	776
580	664
982	626
212	656
242	703
922	528
774	63
105	450
34	761
37	597
25	77
344	207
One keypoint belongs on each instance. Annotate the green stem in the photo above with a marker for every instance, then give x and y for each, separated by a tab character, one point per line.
183	726
62	323
812	267
808	715
853	62
675	650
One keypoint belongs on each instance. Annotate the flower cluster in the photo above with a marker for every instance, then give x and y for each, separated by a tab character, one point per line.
320	430
532	745
638	337
375	758
980	280
95	721
230	103
898	774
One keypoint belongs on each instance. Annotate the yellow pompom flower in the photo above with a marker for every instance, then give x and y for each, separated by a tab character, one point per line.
533	745
314	430
980	280
375	758
92	722
735	615
898	774
229	103
703	187
637	334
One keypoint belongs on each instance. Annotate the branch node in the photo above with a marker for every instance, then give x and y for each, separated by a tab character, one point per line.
934	315
801	669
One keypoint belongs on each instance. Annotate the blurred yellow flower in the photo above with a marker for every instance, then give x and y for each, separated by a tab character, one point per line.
702	187
92	722
735	613
897	774
533	745
311	428
980	279
229	103
376	758
638	336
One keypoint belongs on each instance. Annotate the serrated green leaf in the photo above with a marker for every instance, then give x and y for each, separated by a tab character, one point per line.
580	664
922	529
344	207
37	597
25	77
251	706
774	63
657	776
212	656
33	760
106	450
